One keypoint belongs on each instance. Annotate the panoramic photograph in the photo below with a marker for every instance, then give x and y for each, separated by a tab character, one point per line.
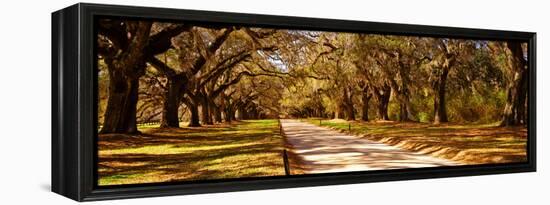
187	102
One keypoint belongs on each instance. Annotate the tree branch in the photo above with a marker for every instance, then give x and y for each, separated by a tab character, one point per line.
161	42
161	66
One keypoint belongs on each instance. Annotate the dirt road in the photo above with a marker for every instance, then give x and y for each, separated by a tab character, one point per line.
324	150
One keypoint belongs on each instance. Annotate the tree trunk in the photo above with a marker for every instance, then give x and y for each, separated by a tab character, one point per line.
350	113
365	108
194	110
515	110
253	113
383	97
403	115
226	106
120	114
227	114
216	112
242	113
125	68
339	114
348	101
402	90
405	110
205	110
232	114
440	110
172	97
257	113
383	109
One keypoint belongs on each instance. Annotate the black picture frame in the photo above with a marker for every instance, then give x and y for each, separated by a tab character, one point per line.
74	87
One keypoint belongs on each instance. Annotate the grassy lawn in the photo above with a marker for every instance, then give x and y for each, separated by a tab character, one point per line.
469	144
245	149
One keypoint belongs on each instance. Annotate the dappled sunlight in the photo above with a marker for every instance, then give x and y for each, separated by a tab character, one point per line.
465	143
171	149
253	148
323	151
245	149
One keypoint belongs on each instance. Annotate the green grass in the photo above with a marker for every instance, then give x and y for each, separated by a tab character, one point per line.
247	149
467	143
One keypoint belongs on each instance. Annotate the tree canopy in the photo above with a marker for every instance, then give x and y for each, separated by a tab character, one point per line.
208	74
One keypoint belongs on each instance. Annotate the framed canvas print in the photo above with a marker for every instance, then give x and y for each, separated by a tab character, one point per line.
155	101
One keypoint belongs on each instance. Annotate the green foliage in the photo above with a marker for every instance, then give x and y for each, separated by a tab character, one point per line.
424	117
476	108
393	110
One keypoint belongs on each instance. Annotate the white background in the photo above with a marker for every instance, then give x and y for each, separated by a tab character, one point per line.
25	102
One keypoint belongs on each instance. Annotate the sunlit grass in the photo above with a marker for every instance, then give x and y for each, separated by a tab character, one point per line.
143	126
246	149
467	143
171	149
